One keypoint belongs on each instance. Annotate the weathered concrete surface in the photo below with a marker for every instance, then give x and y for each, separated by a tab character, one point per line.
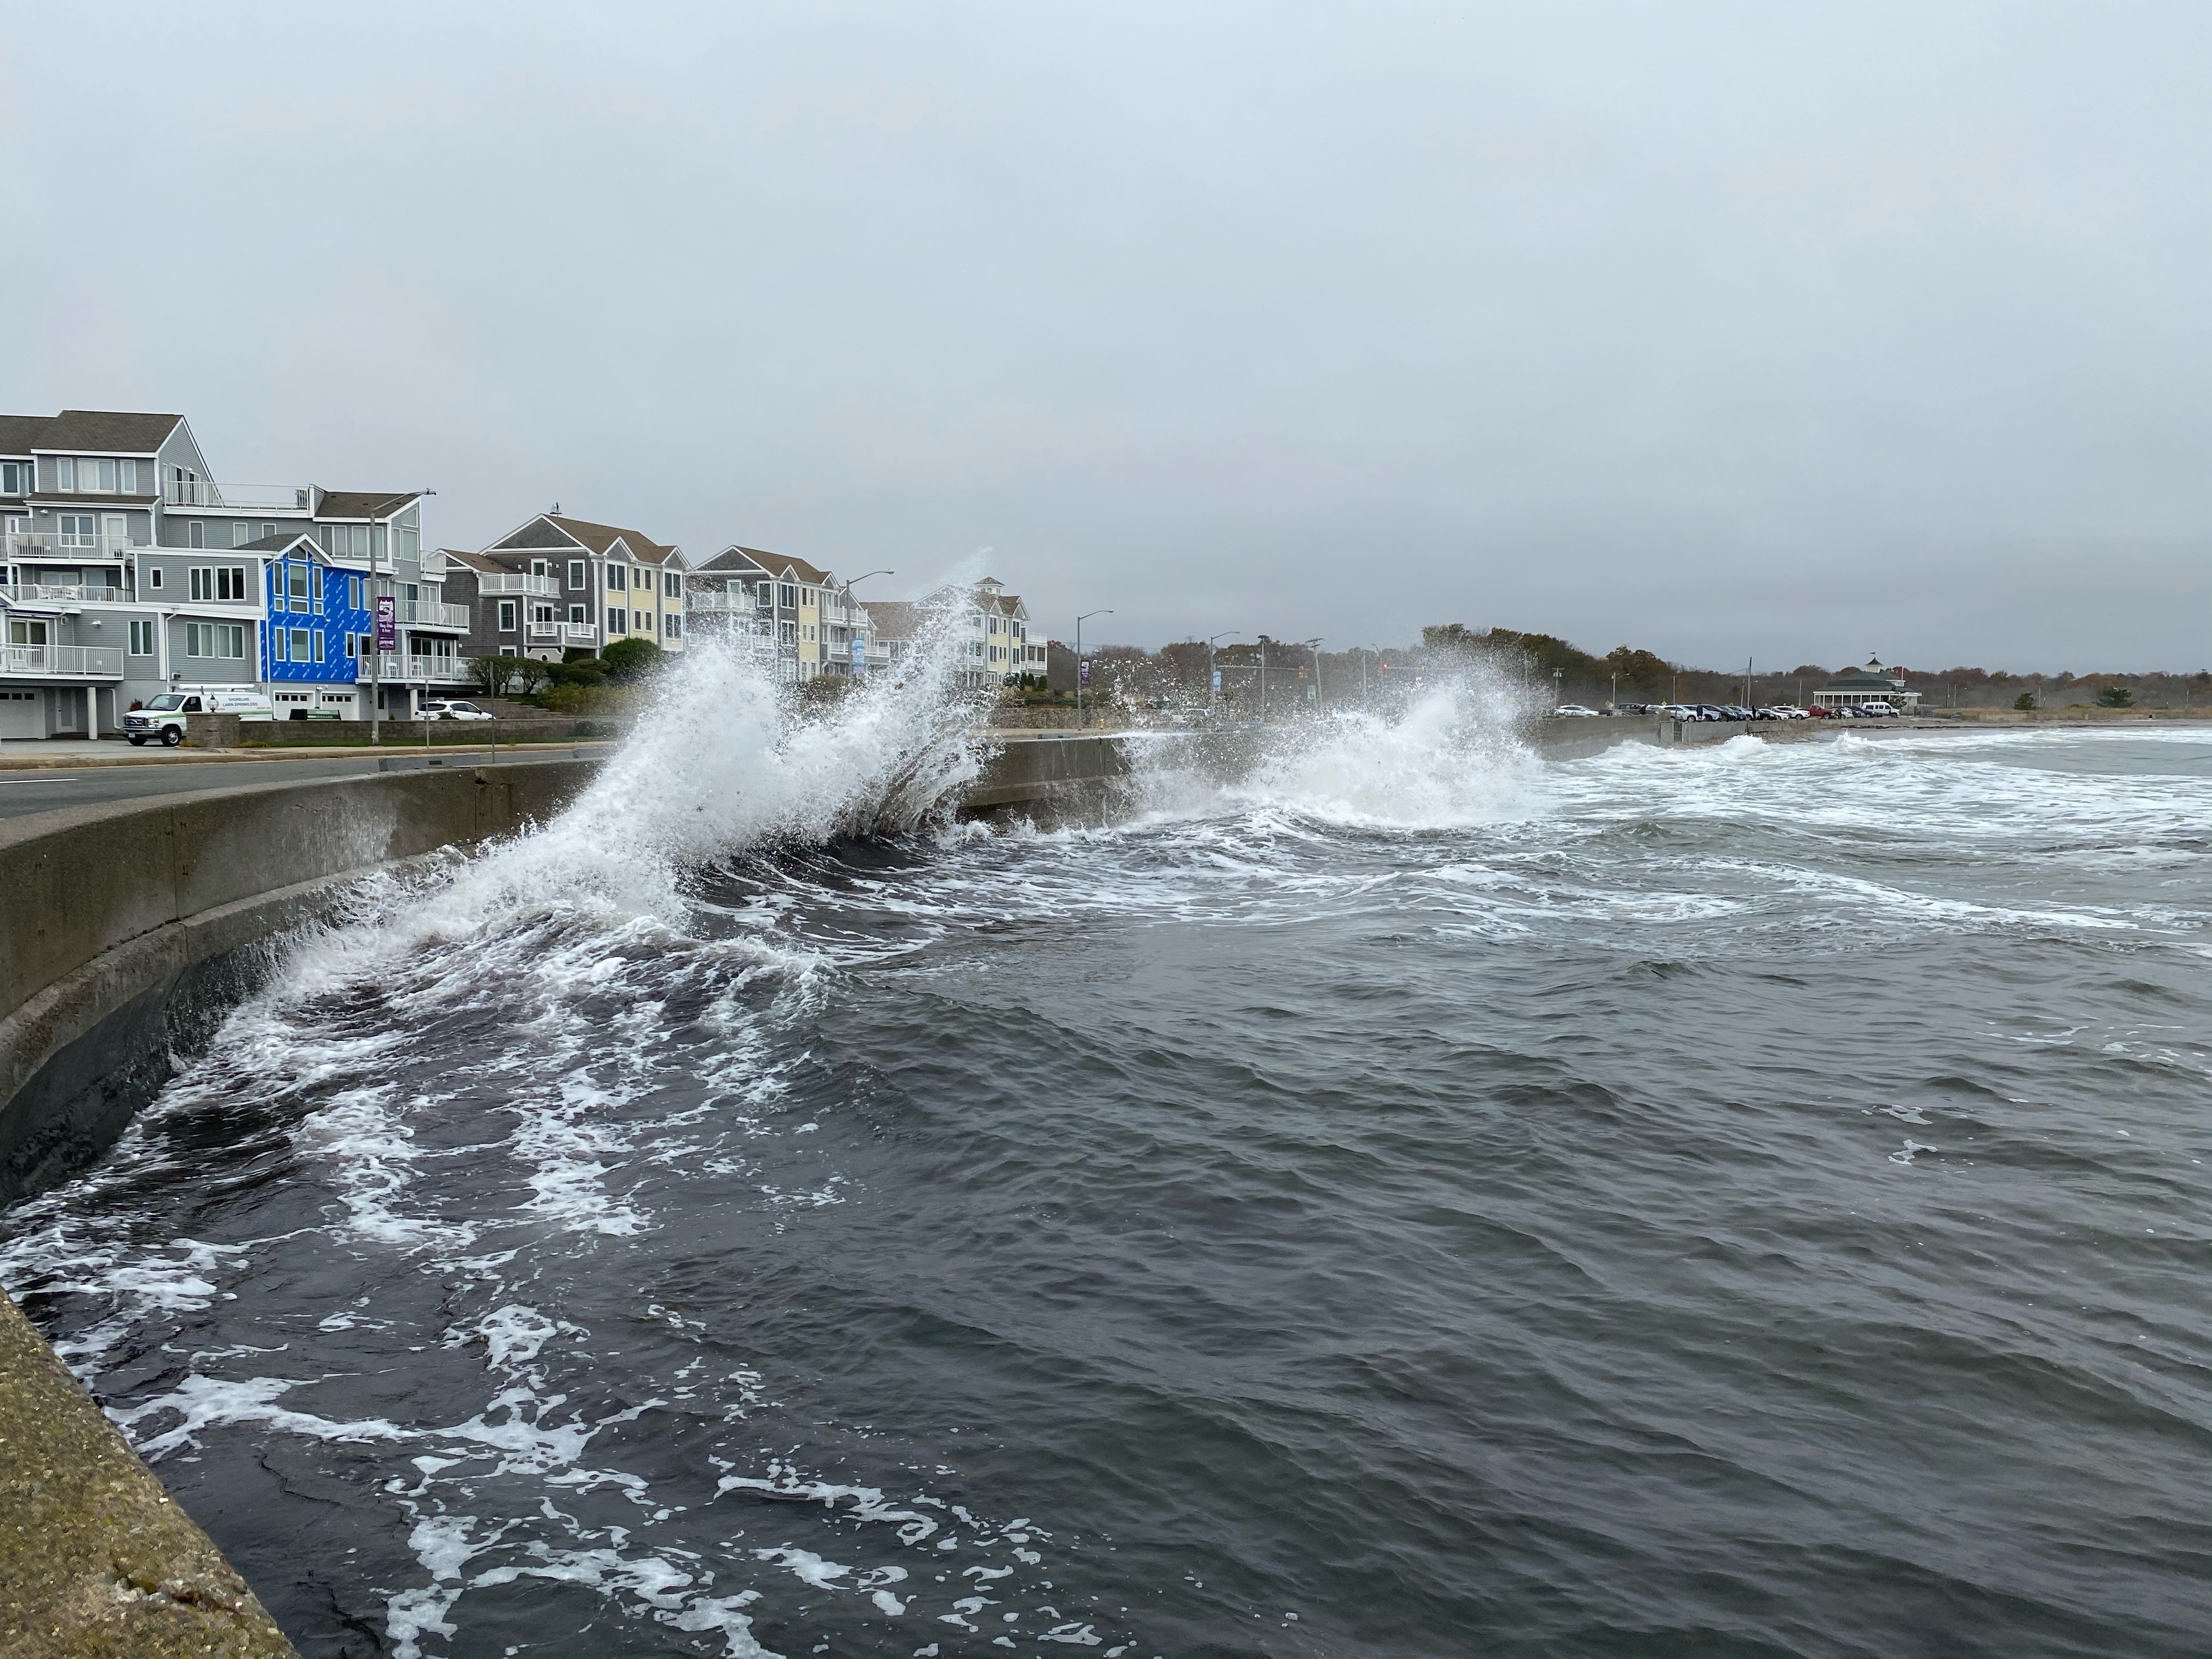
229	731
1050	777
126	931
108	912
96	1561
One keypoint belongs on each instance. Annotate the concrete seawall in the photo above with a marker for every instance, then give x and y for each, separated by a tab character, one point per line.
126	933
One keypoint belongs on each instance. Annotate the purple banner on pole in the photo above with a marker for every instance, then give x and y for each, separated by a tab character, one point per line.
1083	673
387	622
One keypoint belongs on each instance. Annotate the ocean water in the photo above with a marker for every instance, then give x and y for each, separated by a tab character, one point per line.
1403	1198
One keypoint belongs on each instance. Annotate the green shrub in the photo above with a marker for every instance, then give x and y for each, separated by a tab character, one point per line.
2116	696
630	660
2026	699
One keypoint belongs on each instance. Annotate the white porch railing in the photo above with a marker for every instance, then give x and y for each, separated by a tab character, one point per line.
706	599
421	613
50	547
205	492
438	671
89	662
536	587
61	594
563	633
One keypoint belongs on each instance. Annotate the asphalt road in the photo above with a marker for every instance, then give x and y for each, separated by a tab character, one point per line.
22	793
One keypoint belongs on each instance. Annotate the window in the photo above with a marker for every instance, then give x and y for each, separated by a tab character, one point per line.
76	529
507	651
576	575
240	532
618	621
789	632
353	645
353	593
506	616
195	534
319	645
230	583
786	596
671	585
299	646
12	482
577	614
154	576
672	626
107	480
276	644
296	583
141	639
65	474
763	595
808	633
201	579
215	639
617	577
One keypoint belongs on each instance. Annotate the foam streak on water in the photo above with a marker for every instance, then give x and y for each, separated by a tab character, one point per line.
1389	1196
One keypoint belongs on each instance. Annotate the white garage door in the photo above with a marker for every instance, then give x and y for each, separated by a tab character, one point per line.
21	716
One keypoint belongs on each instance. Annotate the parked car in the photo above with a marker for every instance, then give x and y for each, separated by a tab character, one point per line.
164	717
453	708
1877	711
1574	711
1820	711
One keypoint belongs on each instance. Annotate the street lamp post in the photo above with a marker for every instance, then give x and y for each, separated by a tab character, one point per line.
1314	646
848	590
1079	621
1558	686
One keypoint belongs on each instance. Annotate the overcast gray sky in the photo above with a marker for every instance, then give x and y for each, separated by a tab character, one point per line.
1724	330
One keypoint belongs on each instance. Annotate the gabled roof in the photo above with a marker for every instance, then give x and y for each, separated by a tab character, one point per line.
896	619
278	543
98	430
479	562
364	503
753	560
21	433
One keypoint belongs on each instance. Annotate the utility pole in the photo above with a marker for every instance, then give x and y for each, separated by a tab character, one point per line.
1558	686
1263	679
1314	646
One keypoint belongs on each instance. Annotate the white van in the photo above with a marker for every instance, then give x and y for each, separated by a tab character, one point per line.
164	717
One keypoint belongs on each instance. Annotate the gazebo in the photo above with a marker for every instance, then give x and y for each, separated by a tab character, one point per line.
1873	683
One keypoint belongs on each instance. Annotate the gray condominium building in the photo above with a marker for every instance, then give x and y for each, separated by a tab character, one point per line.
558	586
129	570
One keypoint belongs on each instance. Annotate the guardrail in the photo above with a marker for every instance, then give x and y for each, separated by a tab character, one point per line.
90	662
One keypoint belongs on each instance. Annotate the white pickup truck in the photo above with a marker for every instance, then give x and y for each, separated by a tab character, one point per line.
163	719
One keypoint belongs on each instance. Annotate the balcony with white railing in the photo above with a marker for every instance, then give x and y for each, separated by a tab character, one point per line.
205	492
421	613
50	593
707	601
437	671
535	587
83	662
51	547
561	632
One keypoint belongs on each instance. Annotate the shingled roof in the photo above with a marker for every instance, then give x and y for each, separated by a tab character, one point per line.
754	558
109	430
364	503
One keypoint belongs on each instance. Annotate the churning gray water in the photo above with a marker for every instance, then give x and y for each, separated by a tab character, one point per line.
1416	1201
